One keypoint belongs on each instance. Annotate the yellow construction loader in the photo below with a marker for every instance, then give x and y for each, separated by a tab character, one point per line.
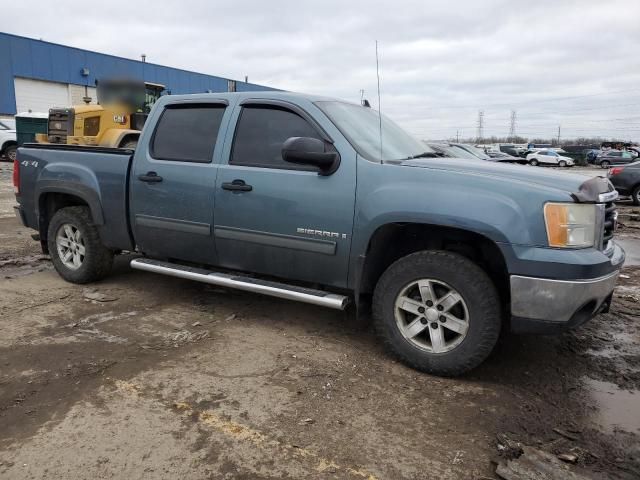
123	107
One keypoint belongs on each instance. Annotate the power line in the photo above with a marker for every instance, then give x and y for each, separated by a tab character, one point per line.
548	99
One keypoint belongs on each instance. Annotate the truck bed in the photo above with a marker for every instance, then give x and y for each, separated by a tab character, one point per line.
96	175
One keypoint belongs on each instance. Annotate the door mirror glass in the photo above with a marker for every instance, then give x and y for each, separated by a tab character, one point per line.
310	151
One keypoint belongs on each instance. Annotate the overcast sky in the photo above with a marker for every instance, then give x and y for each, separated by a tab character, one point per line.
569	63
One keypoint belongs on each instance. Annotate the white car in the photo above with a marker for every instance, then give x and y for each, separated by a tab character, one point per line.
8	142
547	156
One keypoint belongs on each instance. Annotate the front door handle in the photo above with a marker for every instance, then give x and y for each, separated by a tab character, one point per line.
150	177
237	186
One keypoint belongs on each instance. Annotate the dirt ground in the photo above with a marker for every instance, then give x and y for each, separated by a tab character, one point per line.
144	376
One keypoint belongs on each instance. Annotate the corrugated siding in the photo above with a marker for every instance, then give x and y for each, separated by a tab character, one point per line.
35	59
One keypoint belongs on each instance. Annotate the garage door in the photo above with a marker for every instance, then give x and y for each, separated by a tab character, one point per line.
40	96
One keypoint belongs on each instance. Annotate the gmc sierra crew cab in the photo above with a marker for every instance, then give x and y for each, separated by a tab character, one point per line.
322	201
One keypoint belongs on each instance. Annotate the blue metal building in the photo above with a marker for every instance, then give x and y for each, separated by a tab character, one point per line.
37	75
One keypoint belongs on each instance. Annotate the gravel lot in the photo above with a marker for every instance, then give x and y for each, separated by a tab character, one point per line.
144	376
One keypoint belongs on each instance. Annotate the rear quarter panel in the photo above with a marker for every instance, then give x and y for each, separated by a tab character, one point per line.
97	176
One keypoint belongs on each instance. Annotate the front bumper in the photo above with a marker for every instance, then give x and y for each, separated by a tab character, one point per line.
542	305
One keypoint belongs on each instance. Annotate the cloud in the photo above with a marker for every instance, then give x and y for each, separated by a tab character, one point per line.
441	62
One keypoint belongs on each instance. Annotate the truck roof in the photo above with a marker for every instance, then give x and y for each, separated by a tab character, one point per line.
290	96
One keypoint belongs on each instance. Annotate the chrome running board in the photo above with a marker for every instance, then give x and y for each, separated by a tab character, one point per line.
274	289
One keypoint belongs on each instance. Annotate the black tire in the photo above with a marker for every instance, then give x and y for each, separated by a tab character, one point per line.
10	152
533	162
130	144
635	195
472	284
97	260
562	163
605	164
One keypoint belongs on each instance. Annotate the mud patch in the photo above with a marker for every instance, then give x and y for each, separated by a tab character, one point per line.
618	409
20	266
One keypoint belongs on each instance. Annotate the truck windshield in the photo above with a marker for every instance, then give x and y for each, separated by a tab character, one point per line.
361	126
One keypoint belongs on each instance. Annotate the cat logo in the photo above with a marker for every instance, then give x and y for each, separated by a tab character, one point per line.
122	119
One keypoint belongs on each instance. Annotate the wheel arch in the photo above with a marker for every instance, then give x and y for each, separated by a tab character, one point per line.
8	143
114	137
408	238
50	201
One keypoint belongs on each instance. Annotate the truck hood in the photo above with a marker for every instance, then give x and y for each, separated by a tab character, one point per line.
583	189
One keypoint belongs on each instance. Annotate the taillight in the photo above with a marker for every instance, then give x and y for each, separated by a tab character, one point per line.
16	177
615	170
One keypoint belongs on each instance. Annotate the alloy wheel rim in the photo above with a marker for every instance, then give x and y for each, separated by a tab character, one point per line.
70	246
431	315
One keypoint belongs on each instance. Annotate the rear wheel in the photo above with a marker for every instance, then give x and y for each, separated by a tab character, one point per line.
76	250
533	162
438	312
635	195
605	164
10	152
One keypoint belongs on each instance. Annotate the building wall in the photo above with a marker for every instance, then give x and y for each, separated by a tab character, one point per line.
38	60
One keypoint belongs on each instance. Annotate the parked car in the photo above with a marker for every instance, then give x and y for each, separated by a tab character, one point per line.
257	191
475	151
451	151
504	157
8	141
511	150
549	157
591	155
614	157
626	180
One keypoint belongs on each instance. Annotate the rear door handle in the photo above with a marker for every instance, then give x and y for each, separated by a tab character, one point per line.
237	185
150	177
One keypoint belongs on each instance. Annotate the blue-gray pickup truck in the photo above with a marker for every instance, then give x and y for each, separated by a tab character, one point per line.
321	201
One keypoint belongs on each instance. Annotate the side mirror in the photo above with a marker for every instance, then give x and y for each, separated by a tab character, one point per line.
310	151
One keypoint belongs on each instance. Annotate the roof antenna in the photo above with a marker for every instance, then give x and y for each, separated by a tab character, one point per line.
379	104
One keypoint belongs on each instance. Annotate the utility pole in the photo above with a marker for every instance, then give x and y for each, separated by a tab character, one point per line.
457	136
512	126
480	125
558	135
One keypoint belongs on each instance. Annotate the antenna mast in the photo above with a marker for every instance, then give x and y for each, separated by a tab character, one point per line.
379	104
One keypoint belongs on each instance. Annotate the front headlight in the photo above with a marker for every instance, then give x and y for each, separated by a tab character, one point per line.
570	225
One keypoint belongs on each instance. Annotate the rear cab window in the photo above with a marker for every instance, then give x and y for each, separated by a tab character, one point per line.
187	132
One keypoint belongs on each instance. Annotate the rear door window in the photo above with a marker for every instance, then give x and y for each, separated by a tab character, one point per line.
187	133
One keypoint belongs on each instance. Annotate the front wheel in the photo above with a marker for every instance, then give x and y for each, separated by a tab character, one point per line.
605	164
533	162
438	312
76	250
562	163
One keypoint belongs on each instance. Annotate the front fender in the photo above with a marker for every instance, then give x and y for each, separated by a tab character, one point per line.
73	179
489	213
